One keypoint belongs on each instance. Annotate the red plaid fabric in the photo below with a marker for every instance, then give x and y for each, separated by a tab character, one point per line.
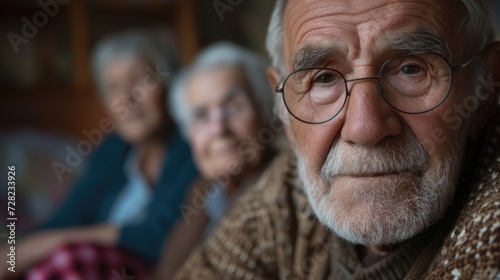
85	261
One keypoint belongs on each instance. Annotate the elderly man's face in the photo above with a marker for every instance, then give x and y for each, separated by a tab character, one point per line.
374	175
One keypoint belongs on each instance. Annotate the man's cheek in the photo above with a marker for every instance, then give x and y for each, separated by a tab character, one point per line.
313	151
434	139
431	132
316	140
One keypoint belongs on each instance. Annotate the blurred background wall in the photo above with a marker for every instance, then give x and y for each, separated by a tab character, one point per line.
48	103
47	100
49	74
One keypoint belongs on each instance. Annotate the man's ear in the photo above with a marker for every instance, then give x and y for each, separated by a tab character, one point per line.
274	77
487	90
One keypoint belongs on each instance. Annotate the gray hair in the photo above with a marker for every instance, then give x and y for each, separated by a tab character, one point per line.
477	25
223	54
157	48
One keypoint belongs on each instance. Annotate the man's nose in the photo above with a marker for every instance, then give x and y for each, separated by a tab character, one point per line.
368	118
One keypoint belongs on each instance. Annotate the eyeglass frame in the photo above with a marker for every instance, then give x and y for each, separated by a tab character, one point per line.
280	88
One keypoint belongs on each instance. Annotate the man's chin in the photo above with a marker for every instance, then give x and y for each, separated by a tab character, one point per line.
377	210
380	193
370	225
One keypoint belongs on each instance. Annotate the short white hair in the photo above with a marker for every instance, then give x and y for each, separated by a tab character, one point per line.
156	47
223	54
476	23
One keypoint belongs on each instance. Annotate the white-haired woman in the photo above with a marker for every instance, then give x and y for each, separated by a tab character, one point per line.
223	104
128	196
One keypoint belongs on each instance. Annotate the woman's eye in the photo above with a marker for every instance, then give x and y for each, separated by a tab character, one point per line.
200	116
410	69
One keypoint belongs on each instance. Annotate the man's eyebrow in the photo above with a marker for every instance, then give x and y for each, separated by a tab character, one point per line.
422	40
310	56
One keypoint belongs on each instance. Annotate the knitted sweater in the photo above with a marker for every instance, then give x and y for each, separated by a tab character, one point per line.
273	234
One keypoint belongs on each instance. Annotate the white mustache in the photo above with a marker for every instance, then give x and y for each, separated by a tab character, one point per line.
391	155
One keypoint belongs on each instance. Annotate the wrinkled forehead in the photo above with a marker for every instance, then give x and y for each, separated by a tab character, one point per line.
358	27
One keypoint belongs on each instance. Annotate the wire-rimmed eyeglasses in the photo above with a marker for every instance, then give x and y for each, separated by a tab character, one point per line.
413	83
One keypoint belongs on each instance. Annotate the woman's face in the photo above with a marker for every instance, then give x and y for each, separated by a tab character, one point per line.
223	122
134	100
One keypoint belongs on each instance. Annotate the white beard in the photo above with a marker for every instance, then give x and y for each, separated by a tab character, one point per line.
386	209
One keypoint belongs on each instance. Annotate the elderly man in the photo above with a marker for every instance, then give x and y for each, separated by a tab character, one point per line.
391	107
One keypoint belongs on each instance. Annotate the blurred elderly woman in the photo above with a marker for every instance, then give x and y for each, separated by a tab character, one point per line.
128	196
223	104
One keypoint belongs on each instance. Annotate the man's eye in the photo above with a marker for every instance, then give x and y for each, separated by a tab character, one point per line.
325	78
410	69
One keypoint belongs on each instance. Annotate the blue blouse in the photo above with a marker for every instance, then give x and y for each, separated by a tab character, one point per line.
92	197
